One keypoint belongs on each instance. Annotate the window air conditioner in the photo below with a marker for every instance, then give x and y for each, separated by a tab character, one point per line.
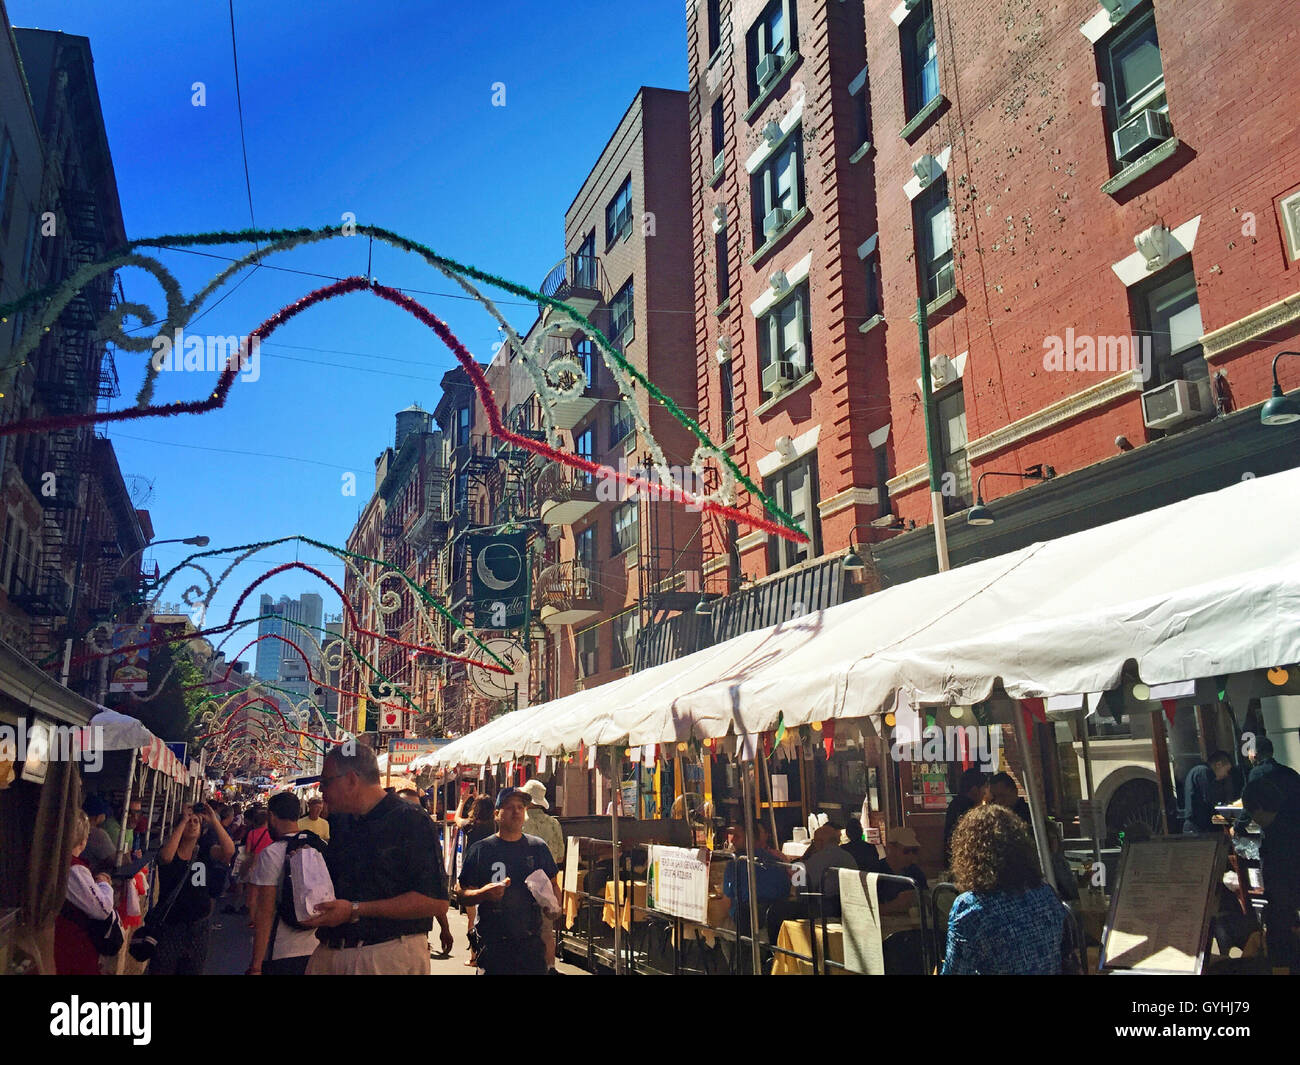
1175	403
778	375
767	69
1140	134
776	218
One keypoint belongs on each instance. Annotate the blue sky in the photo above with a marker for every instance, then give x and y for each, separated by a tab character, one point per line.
383	109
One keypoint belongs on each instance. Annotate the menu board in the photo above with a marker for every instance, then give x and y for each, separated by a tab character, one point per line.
1161	907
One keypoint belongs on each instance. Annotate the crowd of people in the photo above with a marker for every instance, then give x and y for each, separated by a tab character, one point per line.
380	851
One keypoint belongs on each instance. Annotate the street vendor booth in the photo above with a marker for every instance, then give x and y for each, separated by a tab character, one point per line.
1160	599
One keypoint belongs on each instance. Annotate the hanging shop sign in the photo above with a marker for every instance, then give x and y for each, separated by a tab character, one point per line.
499	564
129	669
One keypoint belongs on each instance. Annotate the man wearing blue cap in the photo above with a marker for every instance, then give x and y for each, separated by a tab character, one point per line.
495	879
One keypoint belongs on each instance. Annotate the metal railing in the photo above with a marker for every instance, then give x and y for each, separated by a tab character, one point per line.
571	274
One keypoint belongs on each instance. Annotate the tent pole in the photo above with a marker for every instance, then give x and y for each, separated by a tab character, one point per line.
613	817
148	825
126	807
1037	813
1160	754
1081	716
748	802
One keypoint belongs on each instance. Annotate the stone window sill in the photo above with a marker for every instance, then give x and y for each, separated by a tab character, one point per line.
795	221
807	379
860	153
1143	166
922	118
716	180
871	323
723	308
939	303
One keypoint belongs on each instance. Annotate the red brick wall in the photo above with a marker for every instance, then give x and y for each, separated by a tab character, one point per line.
847	398
1035	236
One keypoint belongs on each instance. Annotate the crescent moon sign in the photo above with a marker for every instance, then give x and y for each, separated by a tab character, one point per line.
485	574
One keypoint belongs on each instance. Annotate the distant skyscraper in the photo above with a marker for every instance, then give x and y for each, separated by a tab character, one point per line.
277	620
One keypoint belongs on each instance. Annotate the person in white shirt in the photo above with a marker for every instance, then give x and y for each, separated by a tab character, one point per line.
89	897
289	949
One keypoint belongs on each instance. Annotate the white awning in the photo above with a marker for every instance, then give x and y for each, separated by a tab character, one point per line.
1204	587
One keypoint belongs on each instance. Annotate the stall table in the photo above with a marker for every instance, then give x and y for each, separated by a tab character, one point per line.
637	897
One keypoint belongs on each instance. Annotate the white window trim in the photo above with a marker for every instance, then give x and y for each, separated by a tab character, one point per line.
1102	23
958	364
1133	268
849	497
795	275
802	446
939	166
765	150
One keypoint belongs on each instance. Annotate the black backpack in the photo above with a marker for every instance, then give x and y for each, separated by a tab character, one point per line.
284	908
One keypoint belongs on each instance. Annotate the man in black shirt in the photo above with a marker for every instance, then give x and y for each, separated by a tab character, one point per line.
1201	792
1278	814
970	795
493	878
902	853
386	866
1003	792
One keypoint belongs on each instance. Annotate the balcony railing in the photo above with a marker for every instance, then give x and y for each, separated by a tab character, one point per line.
575	279
567	592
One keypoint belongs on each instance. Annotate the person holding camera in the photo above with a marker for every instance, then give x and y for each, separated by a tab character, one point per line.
197	845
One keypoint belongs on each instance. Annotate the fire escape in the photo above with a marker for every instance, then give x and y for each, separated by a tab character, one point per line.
73	373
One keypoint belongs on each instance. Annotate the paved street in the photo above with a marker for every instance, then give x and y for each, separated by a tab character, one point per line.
232	940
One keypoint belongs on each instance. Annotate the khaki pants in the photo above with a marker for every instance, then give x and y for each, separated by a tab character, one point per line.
408	956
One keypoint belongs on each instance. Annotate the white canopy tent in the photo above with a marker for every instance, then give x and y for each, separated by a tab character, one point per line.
1204	587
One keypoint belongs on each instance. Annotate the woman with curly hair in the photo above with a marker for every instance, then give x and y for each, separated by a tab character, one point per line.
1007	921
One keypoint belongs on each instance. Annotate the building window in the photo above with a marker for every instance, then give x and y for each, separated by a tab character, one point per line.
728	401
8	162
785	342
584	447
584	351
951	404
461	505
626	626
794	490
588	653
871	265
771	41
621	422
719	137
715	25
625	528
776	189
585	273
720	252
1167	311
920	58
933	223
584	550
862	116
618	215
1133	77
621	328
882	480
